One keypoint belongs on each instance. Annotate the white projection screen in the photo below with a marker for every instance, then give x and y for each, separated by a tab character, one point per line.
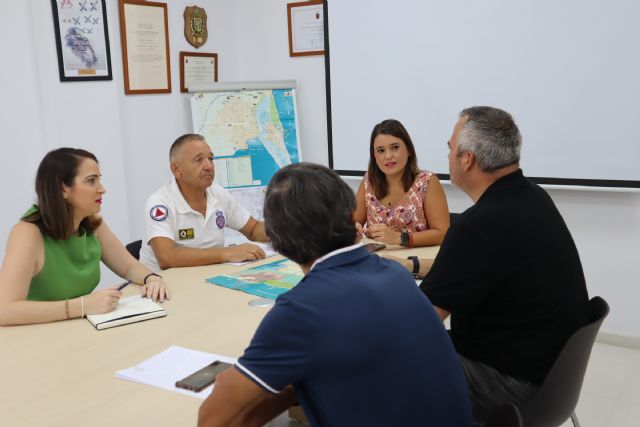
567	70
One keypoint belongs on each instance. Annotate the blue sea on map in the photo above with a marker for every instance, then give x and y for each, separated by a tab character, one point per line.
263	167
285	107
267	280
274	113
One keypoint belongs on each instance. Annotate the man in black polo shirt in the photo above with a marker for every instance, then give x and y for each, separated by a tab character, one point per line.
508	270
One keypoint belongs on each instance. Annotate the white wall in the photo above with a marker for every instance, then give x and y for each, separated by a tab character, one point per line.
131	134
606	228
150	123
20	97
605	225
261	37
251	40
39	113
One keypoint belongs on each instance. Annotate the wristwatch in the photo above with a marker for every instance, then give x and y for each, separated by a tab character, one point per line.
416	266
404	239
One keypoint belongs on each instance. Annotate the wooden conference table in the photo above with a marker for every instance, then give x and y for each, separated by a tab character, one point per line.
62	373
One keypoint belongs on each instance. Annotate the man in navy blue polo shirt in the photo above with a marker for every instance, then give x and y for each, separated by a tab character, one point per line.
356	342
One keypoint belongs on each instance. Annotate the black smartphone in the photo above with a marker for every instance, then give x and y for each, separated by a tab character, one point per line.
202	378
374	247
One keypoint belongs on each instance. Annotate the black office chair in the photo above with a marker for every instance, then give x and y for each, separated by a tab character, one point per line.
506	416
134	248
558	396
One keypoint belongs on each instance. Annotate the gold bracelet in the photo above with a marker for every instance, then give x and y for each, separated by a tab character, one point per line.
66	306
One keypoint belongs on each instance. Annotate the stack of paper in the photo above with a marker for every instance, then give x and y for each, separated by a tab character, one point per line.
173	364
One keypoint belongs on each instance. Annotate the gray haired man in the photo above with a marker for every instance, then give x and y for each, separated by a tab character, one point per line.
508	271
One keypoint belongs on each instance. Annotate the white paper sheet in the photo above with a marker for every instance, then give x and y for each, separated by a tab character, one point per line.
173	364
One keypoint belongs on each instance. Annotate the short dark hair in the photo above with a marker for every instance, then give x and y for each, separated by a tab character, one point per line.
308	212
54	216
181	141
376	176
492	136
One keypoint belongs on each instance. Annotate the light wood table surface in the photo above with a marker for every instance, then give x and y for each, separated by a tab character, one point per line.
62	373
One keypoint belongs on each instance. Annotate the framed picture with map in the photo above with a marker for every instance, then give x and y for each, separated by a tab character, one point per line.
82	40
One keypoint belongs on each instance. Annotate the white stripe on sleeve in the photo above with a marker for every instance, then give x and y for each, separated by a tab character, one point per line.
256	379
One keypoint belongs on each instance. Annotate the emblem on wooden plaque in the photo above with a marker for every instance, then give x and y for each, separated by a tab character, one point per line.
195	25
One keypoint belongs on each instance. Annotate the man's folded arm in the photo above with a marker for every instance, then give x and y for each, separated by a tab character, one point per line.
170	255
238	401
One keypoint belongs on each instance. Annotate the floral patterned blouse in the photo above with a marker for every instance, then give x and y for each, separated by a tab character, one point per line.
407	214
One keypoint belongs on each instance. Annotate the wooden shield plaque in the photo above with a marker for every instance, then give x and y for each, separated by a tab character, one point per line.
195	25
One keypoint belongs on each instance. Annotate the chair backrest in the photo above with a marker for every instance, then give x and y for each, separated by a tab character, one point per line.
134	248
506	416
558	396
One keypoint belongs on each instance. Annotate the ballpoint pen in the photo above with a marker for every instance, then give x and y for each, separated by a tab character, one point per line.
124	285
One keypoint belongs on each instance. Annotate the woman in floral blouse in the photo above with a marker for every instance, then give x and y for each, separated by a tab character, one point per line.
397	203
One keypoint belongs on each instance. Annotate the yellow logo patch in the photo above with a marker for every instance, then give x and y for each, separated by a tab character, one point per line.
186	234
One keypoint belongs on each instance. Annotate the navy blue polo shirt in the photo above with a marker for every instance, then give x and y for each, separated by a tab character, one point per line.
361	345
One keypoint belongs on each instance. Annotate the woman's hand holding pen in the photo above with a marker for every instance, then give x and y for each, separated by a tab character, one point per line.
156	289
102	301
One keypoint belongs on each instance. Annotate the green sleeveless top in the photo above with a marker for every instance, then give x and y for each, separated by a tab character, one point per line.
71	267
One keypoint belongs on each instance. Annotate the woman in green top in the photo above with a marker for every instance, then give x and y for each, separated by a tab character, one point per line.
52	262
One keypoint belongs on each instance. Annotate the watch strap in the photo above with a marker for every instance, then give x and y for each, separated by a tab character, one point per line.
404	238
416	265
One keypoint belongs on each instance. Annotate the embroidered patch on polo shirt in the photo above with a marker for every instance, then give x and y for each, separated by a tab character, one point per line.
220	221
159	213
186	234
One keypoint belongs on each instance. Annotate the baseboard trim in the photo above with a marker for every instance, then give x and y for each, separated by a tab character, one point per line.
619	340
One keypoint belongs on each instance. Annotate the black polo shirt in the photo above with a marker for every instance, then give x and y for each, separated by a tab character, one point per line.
509	273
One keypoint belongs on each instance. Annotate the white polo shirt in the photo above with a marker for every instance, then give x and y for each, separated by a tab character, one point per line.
167	214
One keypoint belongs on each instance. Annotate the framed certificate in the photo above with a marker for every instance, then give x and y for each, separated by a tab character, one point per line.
197	67
145	47
306	28
82	40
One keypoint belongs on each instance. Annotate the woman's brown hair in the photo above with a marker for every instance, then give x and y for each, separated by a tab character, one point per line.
54	216
376	176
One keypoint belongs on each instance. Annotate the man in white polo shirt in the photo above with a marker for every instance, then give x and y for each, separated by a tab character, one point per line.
185	219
